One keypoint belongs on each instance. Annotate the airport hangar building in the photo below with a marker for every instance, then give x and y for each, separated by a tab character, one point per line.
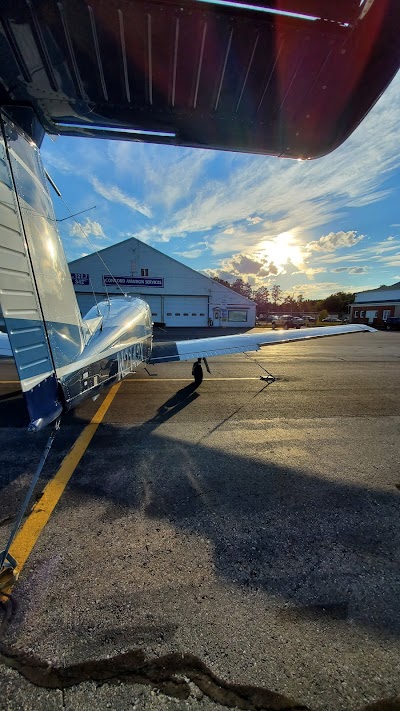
178	295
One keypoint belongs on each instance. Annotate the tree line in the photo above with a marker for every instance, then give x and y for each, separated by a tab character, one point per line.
275	300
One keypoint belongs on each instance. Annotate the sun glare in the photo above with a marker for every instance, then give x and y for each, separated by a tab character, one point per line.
281	250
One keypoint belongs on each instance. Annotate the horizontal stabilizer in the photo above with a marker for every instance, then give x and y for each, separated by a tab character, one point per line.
242	343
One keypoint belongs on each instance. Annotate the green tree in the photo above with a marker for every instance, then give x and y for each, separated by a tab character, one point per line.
223	282
276	294
261	297
338	303
290	302
323	314
241	287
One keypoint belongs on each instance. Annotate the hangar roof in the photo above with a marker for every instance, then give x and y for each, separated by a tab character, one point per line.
383	288
284	77
105	256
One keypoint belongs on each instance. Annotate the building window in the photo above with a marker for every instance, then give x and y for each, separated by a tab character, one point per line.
355	314
237	315
362	314
386	314
144	272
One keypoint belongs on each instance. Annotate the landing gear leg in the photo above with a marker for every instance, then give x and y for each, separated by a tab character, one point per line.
197	372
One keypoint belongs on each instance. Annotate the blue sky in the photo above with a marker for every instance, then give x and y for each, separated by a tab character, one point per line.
313	227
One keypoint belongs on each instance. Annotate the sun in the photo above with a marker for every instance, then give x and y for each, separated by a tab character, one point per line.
281	249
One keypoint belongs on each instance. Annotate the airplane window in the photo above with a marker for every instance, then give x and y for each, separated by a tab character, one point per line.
186	314
193	314
154	314
177	314
169	314
201	314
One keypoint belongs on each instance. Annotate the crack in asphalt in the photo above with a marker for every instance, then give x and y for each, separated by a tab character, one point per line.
171	674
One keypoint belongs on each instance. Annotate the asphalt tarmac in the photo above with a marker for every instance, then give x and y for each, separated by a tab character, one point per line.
232	545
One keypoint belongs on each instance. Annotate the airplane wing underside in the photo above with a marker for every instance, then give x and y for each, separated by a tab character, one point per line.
241	343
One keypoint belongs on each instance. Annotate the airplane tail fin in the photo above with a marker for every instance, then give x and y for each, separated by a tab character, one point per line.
37	297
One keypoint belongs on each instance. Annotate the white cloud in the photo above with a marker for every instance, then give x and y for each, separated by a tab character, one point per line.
191	254
254	220
89	227
311	271
168	174
335	240
114	194
315	290
351	270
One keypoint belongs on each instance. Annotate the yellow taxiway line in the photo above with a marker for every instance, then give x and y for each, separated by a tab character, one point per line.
28	535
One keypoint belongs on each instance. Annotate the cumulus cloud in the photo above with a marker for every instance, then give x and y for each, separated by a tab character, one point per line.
335	240
252	268
241	264
89	227
269	269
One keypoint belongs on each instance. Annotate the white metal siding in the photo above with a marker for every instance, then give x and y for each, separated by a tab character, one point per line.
186	310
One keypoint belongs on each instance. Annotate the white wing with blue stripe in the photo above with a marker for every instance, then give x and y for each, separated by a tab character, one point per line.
242	343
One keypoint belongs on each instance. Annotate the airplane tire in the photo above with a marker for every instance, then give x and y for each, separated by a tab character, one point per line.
197	372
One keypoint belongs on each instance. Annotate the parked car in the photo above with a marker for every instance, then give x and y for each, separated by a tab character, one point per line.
309	319
287	322
330	319
393	322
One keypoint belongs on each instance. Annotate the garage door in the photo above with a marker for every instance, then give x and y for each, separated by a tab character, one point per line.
185	310
155	304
